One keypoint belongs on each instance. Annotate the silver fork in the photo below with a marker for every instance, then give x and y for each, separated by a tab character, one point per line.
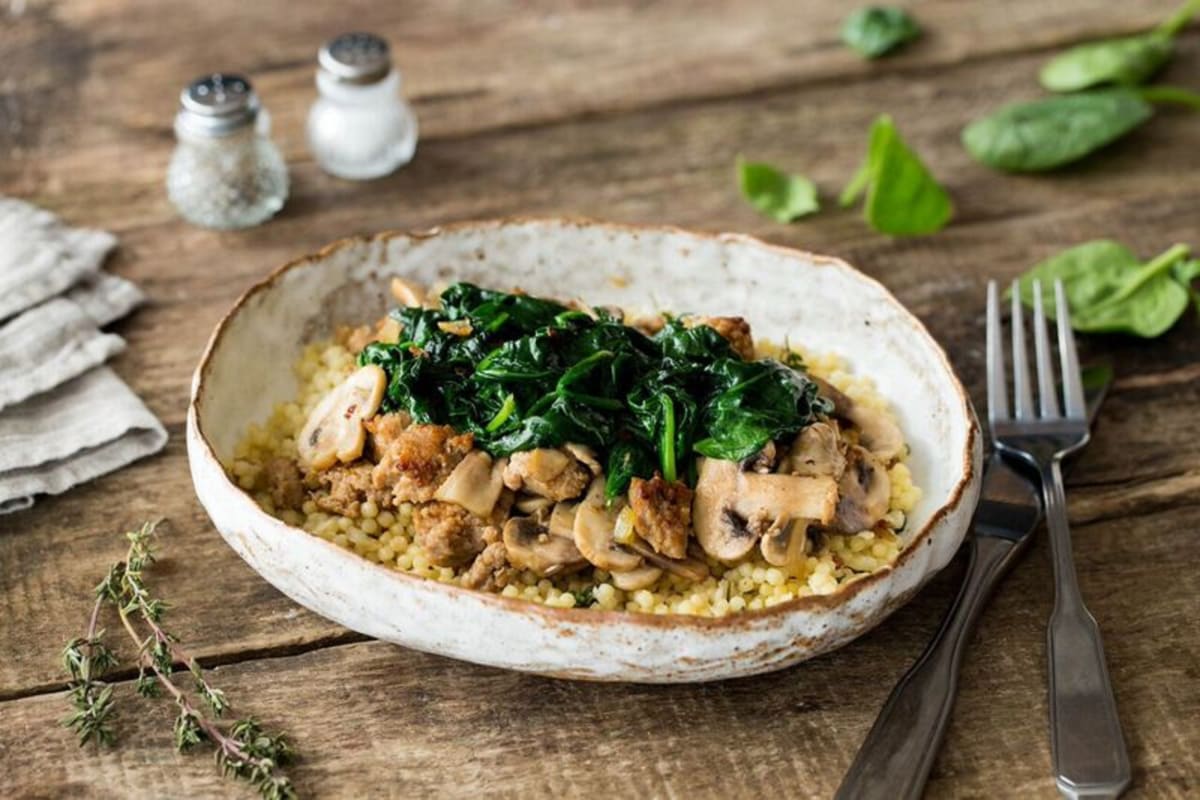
1090	759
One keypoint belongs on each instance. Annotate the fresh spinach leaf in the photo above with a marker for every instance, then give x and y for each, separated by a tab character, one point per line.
903	199
1125	60
1172	95
878	30
1188	275
1048	133
1109	291
782	197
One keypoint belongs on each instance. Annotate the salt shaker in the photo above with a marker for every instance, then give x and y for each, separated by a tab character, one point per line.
225	172
360	127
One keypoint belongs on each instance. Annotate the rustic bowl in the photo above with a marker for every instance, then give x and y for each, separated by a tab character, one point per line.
786	294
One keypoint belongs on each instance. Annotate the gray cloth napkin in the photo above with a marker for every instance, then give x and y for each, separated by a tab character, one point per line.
64	418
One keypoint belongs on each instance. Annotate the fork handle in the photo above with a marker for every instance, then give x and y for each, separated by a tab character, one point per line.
1088	748
895	758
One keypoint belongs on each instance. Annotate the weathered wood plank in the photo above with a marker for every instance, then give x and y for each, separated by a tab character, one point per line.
636	167
383	721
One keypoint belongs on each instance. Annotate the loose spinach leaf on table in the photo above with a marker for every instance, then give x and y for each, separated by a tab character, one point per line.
1125	60
520	372
878	30
903	198
1109	290
1188	275
1048	133
782	197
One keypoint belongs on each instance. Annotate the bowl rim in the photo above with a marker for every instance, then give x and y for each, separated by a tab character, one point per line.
550	614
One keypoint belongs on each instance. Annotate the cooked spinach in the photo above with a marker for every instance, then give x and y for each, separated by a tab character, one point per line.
1125	61
521	372
1048	133
878	30
903	199
782	197
1110	291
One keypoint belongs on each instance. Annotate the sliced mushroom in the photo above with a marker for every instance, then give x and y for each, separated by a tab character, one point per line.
732	509
334	430
762	461
635	579
877	431
548	472
586	456
784	546
533	505
562	520
408	294
593	533
531	546
475	484
864	492
691	568
816	453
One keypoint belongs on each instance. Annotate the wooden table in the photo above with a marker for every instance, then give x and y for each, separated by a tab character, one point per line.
635	112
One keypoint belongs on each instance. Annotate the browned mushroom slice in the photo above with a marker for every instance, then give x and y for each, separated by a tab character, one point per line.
547	472
640	578
784	546
475	484
562	520
816	453
531	546
732	509
334	429
691	568
593	533
877	431
864	492
586	456
532	505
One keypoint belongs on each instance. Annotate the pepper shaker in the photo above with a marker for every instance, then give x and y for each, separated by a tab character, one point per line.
360	127
225	172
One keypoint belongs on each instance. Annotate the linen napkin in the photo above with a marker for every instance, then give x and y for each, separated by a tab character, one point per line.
64	418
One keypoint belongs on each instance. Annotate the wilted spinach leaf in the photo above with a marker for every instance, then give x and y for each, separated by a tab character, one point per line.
1126	60
1110	291
782	197
527	372
1048	133
903	199
878	30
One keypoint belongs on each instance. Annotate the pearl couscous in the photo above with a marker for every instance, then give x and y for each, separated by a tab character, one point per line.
386	536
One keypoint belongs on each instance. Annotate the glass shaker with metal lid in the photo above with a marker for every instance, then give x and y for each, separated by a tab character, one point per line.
225	172
360	127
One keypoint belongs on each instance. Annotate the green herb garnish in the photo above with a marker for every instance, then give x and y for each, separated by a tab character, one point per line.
1125	61
243	749
532	373
782	197
1110	291
879	30
1048	133
903	199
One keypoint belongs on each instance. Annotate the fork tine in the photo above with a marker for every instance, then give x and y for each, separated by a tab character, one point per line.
1022	393
1047	391
1072	377
996	381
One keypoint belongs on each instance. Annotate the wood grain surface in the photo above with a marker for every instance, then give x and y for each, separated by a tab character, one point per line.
635	112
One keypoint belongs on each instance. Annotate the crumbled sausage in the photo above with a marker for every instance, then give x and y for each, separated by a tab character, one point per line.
285	483
449	534
490	570
662	514
345	488
547	472
414	460
736	330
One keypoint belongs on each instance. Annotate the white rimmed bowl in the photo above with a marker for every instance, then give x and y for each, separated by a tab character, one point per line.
820	302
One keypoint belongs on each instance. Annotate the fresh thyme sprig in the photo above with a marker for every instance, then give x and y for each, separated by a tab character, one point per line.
243	749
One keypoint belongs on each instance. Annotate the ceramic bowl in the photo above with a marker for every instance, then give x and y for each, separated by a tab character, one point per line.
815	300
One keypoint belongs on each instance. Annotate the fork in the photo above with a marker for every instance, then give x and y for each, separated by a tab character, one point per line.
1087	746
